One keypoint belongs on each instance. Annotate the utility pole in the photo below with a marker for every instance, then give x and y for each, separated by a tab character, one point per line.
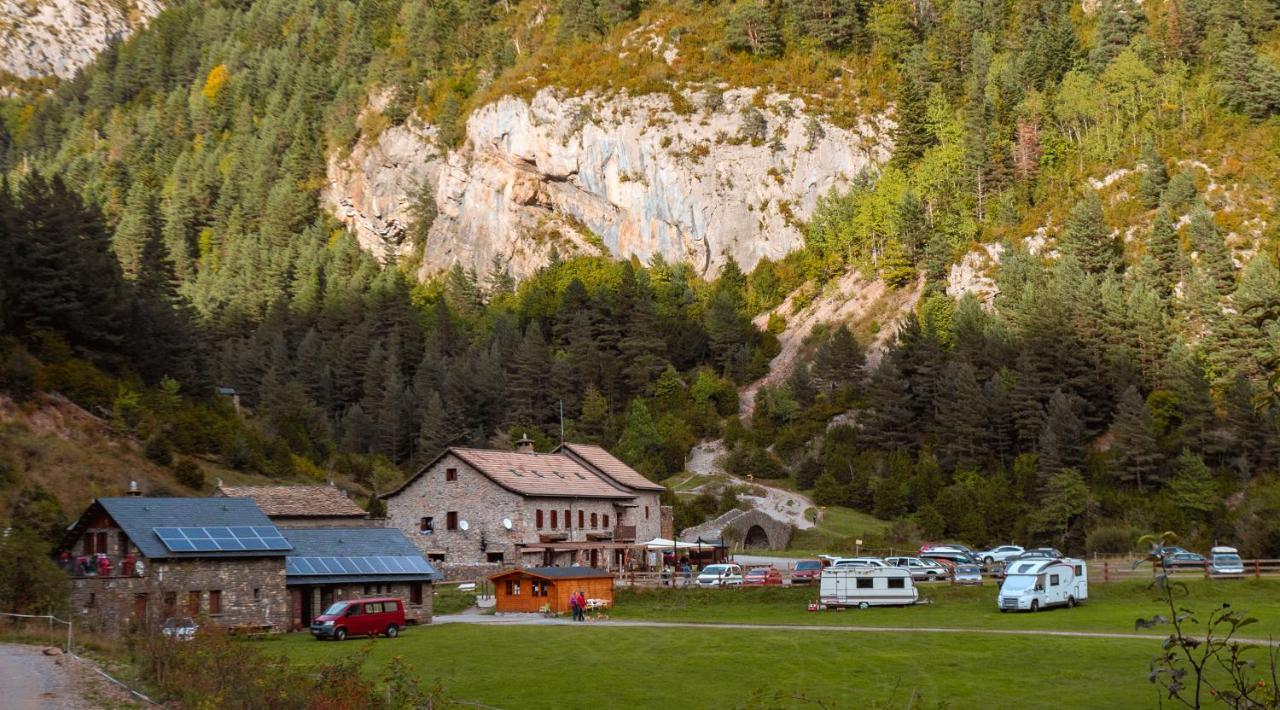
561	422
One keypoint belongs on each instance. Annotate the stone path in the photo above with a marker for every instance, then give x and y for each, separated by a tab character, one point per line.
34	681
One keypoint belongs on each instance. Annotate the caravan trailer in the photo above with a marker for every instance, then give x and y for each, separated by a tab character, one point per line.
1035	584
866	586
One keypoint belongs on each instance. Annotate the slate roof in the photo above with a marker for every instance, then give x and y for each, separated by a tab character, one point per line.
354	542
544	475
298	501
138	516
558	572
611	466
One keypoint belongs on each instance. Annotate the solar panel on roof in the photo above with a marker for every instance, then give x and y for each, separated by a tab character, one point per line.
222	539
351	566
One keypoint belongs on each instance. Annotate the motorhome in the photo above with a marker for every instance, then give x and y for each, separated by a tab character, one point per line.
862	587
1035	584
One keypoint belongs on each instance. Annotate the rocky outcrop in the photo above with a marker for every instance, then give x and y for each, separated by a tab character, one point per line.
698	182
57	37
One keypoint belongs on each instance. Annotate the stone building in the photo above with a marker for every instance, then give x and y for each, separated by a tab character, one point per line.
137	561
303	506
333	564
474	511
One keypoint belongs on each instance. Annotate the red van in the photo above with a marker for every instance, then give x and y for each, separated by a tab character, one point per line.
360	617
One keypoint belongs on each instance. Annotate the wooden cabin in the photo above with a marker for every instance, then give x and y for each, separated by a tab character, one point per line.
527	590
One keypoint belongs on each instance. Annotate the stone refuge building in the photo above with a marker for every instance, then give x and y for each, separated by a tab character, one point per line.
474	511
303	506
136	561
333	564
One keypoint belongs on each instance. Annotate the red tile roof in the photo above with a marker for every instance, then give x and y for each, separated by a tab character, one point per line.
608	464
297	501
540	474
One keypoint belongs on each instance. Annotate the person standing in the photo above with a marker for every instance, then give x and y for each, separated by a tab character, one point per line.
573	605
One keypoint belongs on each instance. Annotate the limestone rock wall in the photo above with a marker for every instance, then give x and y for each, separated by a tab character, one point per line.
634	176
57	37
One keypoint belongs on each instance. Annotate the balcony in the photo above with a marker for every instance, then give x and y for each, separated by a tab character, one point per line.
624	533
103	567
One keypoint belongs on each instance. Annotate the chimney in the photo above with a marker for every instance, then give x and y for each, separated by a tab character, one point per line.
133	489
525	445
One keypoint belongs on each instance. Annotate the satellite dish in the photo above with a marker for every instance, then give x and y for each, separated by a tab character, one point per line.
464	525
506	523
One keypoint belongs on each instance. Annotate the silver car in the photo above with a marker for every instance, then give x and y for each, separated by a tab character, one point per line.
921	569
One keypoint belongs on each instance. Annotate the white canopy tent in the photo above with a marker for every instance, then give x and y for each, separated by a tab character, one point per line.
661	543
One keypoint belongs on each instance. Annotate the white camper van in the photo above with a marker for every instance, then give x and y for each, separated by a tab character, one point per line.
1035	584
862	587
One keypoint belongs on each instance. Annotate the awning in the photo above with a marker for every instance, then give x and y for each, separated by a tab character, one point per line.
660	543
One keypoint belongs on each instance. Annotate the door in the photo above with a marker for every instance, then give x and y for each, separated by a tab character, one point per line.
355	620
308	614
295	608
595	557
140	608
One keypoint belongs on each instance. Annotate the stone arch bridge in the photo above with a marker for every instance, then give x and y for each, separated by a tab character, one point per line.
742	530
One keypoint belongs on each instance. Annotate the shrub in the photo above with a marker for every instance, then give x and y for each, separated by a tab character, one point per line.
189	473
1112	540
158	450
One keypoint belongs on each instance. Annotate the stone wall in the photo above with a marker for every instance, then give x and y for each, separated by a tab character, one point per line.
252	591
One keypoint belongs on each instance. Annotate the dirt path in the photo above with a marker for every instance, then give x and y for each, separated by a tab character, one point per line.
534	620
779	504
32	680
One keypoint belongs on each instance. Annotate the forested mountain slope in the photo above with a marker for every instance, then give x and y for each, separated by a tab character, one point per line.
1105	176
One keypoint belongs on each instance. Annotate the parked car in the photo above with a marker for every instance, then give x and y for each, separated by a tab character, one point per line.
720	576
1184	560
955	556
967	575
947	546
1038	553
859	562
762	576
807	572
1225	562
921	569
1001	553
360	617
183	629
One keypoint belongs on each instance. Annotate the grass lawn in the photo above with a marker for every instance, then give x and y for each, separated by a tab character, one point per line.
837	529
1111	607
595	666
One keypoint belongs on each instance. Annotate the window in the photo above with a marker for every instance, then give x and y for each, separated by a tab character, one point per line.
554	522
538	518
215	601
897	583
568	520
451	474
451	520
257	593
123	541
427	525
582	519
494	557
513	587
102	543
170	603
865	583
415	593
1053	580
539	588
93	600
594	521
373	608
193	604
435	556
1079	570
646	512
605	524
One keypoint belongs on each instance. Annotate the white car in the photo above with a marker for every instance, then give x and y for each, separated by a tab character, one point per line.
1001	554
859	562
720	576
920	569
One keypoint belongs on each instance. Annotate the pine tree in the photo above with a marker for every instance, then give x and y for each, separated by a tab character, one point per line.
526	381
1154	175
1246	82
836	23
912	137
838	361
1087	238
434	430
888	415
593	425
1062	438
751	27
1065	498
960	432
1214	258
1118	22
1163	246
1137	451
1192	487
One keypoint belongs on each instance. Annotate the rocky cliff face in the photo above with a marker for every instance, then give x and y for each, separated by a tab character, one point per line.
57	37
630	175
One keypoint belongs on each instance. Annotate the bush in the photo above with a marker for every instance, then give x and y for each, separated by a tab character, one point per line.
20	374
1112	540
158	450
189	473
